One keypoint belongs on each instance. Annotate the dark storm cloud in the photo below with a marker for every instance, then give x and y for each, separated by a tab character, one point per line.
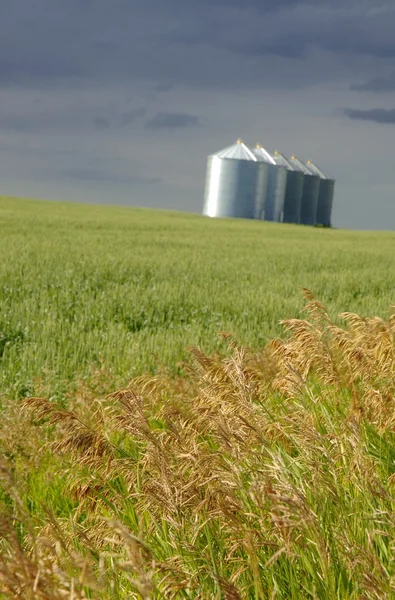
36	120
377	84
102	123
267	6
290	46
167	120
16	124
100	175
132	115
296	34
93	41
123	119
261	6
32	70
164	87
376	115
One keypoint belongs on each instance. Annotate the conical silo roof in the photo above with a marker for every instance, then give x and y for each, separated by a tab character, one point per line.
282	161
300	166
316	170
263	155
238	151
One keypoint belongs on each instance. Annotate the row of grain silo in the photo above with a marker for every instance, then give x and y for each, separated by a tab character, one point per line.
254	184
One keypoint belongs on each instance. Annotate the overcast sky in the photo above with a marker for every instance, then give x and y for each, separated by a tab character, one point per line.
120	101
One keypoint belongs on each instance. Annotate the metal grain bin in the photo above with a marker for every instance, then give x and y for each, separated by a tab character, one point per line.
325	196
276	183
231	183
261	187
311	187
293	190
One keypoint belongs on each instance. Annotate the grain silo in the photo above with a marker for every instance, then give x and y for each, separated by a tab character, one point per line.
325	196
261	186
231	183
276	183
311	186
293	190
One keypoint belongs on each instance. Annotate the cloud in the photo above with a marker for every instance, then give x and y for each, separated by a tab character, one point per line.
16	124
376	115
31	69
378	84
131	115
125	42
347	30
119	118
384	188
268	6
164	87
102	122
44	112
167	120
99	175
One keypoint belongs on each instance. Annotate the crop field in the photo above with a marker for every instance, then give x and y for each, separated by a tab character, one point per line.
124	290
181	420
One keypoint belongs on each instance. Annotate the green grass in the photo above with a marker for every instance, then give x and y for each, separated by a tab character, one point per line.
84	287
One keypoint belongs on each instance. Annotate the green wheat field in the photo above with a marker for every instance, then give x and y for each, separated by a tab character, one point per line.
88	286
194	408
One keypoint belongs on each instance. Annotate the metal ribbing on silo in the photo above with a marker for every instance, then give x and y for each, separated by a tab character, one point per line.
276	183
231	183
263	165
276	193
311	186
293	190
261	190
325	196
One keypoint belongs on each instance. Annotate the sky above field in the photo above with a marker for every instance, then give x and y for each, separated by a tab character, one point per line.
120	101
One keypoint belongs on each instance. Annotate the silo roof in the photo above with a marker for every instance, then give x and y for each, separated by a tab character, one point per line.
316	170
281	160
238	151
262	155
300	166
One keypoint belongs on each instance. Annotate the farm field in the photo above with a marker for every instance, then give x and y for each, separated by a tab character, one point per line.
260	465
86	288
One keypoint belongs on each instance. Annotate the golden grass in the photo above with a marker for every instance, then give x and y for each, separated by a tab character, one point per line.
261	475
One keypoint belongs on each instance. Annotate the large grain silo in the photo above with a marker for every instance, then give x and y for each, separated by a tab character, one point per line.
325	196
276	184
231	183
311	187
293	190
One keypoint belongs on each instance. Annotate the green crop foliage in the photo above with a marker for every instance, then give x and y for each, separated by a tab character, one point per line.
128	290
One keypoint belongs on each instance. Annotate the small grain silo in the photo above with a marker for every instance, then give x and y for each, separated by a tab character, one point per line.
325	196
276	184
231	183
311	187
293	190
